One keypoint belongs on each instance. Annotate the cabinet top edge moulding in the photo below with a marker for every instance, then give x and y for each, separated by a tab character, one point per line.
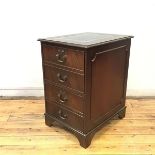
86	39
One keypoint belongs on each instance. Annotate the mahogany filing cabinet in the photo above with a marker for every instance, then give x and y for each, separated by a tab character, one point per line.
85	79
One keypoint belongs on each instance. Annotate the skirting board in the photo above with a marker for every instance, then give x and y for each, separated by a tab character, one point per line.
25	91
38	91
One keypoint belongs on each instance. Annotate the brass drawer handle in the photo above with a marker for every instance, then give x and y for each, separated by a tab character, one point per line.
62	97
61	57
61	115
61	78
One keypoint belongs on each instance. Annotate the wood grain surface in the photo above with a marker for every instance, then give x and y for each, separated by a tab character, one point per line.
23	131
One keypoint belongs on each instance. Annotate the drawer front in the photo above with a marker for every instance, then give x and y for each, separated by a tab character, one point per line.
62	56
63	77
66	116
64	97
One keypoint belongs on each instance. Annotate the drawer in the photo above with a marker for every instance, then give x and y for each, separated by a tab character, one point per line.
64	115
63	77
63	56
64	97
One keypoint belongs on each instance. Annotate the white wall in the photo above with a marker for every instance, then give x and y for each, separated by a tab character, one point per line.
23	22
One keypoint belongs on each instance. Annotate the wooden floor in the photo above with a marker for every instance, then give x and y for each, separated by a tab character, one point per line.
22	131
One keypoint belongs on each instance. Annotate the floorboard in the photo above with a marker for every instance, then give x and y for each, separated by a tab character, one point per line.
23	131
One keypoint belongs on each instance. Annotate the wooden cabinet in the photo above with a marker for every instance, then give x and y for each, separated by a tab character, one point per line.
85	78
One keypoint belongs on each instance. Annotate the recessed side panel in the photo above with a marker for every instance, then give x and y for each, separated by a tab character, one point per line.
108	77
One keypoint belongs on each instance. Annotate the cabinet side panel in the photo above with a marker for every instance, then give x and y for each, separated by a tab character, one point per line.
108	75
